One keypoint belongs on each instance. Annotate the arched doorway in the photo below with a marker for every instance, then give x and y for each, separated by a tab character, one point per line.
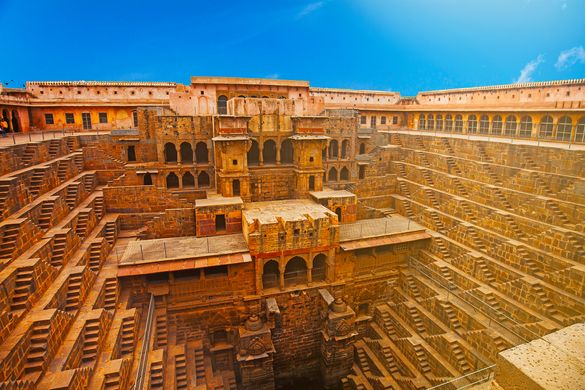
201	153
170	152
269	152
338	212
186	153
147	180
295	272
236	187
333	174
319	268
286	152
222	105
172	180
311	183
131	152
362	148
333	149
188	180
344	174
344	148
270	274
254	154
15	121
203	179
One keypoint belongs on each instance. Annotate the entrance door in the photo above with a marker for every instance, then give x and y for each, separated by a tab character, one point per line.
86	120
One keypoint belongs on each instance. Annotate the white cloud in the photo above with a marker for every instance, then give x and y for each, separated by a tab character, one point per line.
570	57
310	8
528	70
564	5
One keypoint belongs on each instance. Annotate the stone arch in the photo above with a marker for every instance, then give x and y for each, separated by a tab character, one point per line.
286	152
333	149
186	152
203	179
188	180
580	130
448	122
147	179
172	180
170	152
511	125
332	174
344	174
362	148
254	154
458	123
430	122
472	124
564	128
546	127
295	271
15	122
222	105
484	124
497	125
270	274
344	148
319	270
201	153
526	126
422	122
269	152
236	187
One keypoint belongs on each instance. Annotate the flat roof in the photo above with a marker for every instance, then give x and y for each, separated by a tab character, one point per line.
219	201
288	210
378	227
248	81
182	248
326	194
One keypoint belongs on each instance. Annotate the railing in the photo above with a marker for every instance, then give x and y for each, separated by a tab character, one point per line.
293	278
471	379
141	371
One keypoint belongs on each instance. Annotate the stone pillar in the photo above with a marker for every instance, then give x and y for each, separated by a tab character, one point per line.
309	275
277	154
337	338
281	274
255	355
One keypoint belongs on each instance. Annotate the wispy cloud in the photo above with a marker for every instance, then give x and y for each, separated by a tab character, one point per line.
310	8
564	5
570	57
529	69
272	76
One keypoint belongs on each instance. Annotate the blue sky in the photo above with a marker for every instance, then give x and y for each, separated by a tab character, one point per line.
398	45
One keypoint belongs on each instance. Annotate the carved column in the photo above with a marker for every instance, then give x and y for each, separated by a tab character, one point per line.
255	355
337	338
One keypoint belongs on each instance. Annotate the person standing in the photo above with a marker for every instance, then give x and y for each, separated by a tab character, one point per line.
3	127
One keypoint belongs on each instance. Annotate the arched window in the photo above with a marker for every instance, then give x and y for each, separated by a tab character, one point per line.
472	124
344	148
526	126
448	122
344	174
222	105
421	122
254	154
186	152
564	129
319	267
333	150
580	130
311	183
497	125
15	121
201	153
172	180
270	274
511	125
236	187
484	124
203	179
269	152
458	123
188	180
147	180
333	174
431	122
362	148
295	272
439	123
286	152
170	152
135	118
546	127
131	153
339	215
